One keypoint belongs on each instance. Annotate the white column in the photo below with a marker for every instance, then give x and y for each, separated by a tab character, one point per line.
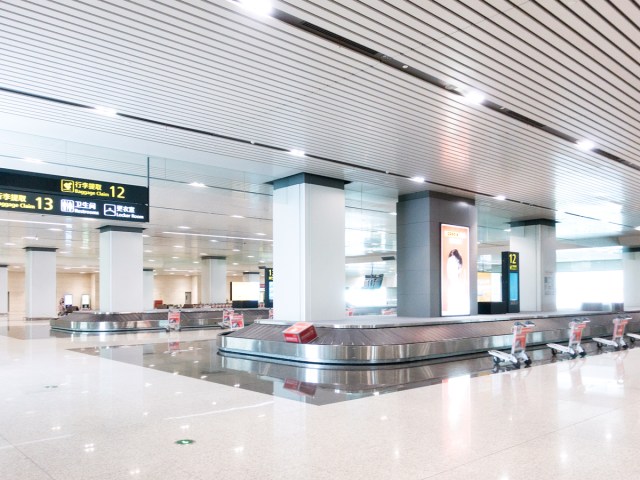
535	240
195	289
214	279
309	248
147	288
121	279
4	289
631	275
40	283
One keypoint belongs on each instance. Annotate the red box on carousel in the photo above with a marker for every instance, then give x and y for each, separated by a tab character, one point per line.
300	332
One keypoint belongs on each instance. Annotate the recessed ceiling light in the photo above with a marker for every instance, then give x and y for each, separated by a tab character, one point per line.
249	256
107	112
237	216
214	241
500	197
84	248
507	229
197	184
585	145
260	7
145	236
55	229
16	266
9	244
234	263
417	179
183	227
260	233
178	246
32	160
236	250
261	261
147	251
175	257
196	262
30	238
150	260
393	213
405	66
474	97
63	252
297	153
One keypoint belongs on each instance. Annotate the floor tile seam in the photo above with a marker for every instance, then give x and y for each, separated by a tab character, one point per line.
36	464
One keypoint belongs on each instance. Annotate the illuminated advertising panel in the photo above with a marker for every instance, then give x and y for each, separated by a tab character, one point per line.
454	271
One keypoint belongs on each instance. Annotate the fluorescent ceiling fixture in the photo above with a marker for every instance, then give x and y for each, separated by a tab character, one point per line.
585	145
405	66
55	229
234	264
500	197
417	179
197	184
474	97
9	244
236	250
183	227
175	257
196	262
178	246
249	256
507	229
148	251
30	221
145	236
107	112
32	160
219	236
261	234
297	153
237	216
260	7
393	213
30	238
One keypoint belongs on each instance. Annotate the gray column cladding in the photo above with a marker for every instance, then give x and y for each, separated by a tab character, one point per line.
418	256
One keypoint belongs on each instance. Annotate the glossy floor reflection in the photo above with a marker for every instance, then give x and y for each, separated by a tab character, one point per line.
68	415
318	385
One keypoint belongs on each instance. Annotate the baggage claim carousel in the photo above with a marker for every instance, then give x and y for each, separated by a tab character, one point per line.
378	341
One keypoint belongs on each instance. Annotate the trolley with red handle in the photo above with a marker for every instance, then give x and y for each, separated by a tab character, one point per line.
617	339
576	327
518	353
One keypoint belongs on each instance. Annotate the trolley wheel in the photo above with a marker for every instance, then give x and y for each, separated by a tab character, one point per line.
599	345
573	355
624	347
554	352
632	340
516	365
496	360
583	354
527	362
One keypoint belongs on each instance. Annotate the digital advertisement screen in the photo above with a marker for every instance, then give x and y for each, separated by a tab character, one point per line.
513	286
454	272
245	291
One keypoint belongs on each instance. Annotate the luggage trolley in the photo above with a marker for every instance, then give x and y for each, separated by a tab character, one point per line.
574	348
617	340
518	347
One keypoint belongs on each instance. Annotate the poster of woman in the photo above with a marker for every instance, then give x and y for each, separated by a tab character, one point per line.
454	276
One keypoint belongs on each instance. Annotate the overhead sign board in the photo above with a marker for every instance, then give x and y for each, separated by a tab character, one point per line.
69	196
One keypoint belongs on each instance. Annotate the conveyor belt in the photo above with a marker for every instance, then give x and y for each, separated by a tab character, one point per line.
404	343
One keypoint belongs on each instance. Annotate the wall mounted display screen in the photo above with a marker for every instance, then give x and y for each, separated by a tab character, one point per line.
70	196
454	271
245	291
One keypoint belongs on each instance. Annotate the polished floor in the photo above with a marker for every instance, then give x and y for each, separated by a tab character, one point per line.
114	406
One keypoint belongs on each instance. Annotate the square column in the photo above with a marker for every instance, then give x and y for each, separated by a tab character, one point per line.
631	275
121	272
40	283
147	288
309	248
4	289
214	279
535	240
437	269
